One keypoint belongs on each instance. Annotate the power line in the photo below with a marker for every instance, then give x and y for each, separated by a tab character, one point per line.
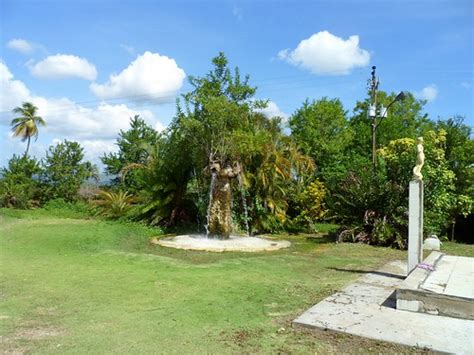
272	84
161	97
174	93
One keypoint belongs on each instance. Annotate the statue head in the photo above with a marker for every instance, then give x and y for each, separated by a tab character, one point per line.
419	140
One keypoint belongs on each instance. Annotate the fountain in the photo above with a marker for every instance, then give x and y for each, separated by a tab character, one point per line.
244	203
219	216
218	237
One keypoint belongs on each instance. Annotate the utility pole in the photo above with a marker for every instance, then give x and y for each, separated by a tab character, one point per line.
378	112
373	86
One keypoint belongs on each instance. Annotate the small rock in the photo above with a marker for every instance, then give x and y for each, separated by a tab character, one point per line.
281	330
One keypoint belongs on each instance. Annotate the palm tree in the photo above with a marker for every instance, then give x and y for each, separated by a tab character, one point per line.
26	125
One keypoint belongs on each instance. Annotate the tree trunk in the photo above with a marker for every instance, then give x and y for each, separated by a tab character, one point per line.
27	146
452	230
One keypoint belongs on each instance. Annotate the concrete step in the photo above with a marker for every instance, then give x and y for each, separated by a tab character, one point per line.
447	290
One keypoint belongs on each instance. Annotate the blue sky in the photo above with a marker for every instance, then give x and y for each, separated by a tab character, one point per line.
89	65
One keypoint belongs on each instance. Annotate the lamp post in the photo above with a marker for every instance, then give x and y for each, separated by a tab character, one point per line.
374	84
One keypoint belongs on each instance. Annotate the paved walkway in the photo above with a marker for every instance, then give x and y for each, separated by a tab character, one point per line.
367	308
454	276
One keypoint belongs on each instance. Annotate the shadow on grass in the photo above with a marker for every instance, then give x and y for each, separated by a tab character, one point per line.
322	239
380	273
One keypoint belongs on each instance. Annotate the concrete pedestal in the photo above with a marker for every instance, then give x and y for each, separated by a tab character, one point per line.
415	225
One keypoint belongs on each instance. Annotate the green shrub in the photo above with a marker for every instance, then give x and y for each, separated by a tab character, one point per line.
64	170
19	185
375	205
310	207
114	204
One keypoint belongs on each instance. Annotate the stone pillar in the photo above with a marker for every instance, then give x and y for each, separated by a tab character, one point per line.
415	225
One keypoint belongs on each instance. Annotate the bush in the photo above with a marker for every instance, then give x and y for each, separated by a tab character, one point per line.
62	208
309	208
375	204
19	185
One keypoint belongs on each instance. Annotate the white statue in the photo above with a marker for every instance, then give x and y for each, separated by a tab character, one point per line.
420	159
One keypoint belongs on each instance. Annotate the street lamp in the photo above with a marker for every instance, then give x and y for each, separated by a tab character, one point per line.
375	124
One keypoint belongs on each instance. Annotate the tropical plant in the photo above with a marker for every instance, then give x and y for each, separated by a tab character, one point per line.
272	164
26	125
114	204
166	175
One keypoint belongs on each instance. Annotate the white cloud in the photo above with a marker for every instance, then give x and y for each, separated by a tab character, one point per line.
159	126
150	77
428	93
326	54
74	121
95	148
21	45
467	85
272	110
95	128
13	92
61	66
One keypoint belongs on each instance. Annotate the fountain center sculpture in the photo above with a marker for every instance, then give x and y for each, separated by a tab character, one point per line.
219	214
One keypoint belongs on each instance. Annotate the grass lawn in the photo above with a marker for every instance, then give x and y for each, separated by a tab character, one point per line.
77	285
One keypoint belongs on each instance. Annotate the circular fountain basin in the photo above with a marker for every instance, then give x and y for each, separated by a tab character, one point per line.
234	243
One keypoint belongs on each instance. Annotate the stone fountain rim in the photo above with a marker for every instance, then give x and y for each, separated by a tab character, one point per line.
235	243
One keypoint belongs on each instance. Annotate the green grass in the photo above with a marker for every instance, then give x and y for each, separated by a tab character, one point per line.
78	285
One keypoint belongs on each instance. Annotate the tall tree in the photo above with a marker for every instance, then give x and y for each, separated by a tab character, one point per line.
26	125
221	122
218	121
208	128
321	129
64	170
132	149
459	150
216	111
